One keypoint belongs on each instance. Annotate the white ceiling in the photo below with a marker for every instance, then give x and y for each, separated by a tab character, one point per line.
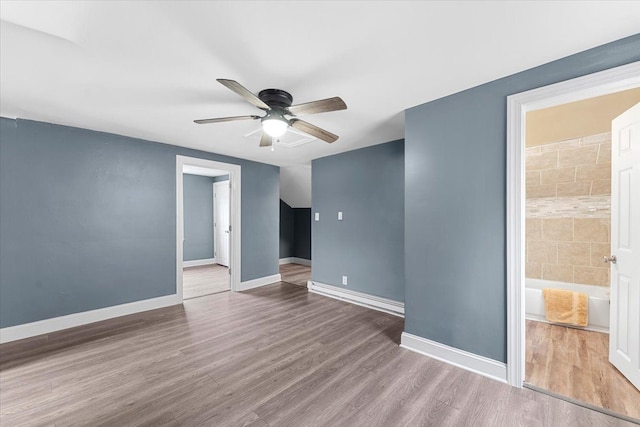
147	69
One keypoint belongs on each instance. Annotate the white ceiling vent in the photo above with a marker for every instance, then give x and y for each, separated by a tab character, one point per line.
292	138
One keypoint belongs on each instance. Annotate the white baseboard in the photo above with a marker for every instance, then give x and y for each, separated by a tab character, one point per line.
295	260
260	281
370	301
46	326
198	262
471	362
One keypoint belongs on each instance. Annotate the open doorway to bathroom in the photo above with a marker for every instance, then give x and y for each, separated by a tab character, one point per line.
568	252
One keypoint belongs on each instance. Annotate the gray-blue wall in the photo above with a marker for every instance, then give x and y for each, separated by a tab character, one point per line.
302	233
198	217
287	239
455	167
367	246
88	219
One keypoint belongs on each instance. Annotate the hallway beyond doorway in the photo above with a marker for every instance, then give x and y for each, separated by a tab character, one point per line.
295	274
204	280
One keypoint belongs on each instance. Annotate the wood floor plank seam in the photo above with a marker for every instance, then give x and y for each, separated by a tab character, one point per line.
575	363
264	381
296	359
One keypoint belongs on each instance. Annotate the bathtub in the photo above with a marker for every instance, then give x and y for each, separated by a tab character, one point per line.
598	301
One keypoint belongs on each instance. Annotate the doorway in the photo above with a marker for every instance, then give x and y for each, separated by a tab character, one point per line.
568	202
531	252
208	227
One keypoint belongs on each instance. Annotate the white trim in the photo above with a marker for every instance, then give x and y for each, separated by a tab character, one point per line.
213	215
358	298
260	281
217	186
598	302
235	240
462	359
198	262
543	319
27	330
597	84
295	260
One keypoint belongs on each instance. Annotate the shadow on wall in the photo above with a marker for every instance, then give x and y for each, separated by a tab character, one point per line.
295	232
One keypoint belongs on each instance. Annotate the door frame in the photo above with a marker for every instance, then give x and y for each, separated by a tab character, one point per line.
589	86
215	226
235	252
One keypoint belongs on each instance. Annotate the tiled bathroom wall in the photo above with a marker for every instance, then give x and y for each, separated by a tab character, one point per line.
568	198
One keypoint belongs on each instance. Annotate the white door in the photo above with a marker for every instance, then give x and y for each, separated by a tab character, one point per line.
624	335
221	221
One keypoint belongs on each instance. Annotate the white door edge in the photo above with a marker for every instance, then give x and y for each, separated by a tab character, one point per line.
624	336
221	244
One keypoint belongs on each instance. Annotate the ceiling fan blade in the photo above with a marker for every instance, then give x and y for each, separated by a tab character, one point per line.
244	92
225	119
322	106
266	140
313	130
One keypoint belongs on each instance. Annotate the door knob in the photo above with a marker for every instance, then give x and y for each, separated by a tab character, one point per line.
612	259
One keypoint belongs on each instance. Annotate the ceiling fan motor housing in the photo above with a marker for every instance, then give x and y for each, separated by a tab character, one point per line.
276	103
276	98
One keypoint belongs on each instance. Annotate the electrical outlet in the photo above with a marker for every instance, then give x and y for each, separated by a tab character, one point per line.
344	280
339	216
317	217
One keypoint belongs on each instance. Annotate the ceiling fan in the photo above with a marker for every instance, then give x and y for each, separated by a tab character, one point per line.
277	105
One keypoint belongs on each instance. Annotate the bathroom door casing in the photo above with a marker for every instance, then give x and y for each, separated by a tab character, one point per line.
624	334
221	222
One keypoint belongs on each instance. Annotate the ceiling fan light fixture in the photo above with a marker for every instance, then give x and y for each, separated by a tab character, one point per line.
274	127
277	104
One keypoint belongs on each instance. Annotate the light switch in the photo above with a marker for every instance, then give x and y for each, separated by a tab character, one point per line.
317	217
339	216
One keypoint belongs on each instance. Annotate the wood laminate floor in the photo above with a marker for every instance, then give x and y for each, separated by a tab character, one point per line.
272	356
295	273
204	280
575	363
